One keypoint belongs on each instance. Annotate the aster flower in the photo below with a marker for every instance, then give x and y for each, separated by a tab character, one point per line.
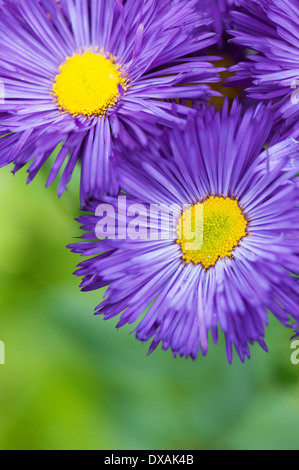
296	328
246	237
270	28
88	73
219	11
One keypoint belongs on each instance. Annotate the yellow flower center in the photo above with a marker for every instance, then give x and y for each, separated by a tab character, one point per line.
210	230
88	84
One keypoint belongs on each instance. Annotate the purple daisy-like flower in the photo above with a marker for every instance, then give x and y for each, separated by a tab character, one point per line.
219	11
271	29
222	258
296	328
85	74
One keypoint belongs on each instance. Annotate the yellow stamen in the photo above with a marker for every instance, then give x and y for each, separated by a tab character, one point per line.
210	230
88	84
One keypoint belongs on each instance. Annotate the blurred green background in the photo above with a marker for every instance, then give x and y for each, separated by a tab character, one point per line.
71	381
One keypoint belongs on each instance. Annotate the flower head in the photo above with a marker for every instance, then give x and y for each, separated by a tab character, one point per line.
270	28
296	329
223	257
219	11
88	73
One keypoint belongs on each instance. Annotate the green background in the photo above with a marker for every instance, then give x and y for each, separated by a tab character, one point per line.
72	381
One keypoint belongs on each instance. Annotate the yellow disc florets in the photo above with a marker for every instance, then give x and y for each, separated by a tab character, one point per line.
88	84
210	230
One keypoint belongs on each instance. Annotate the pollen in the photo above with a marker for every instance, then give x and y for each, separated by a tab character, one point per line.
88	84
211	230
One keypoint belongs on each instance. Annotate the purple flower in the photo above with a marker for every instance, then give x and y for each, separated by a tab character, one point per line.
270	28
296	328
219	11
88	73
238	201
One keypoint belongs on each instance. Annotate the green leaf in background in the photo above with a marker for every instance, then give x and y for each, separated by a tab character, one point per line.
72	381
